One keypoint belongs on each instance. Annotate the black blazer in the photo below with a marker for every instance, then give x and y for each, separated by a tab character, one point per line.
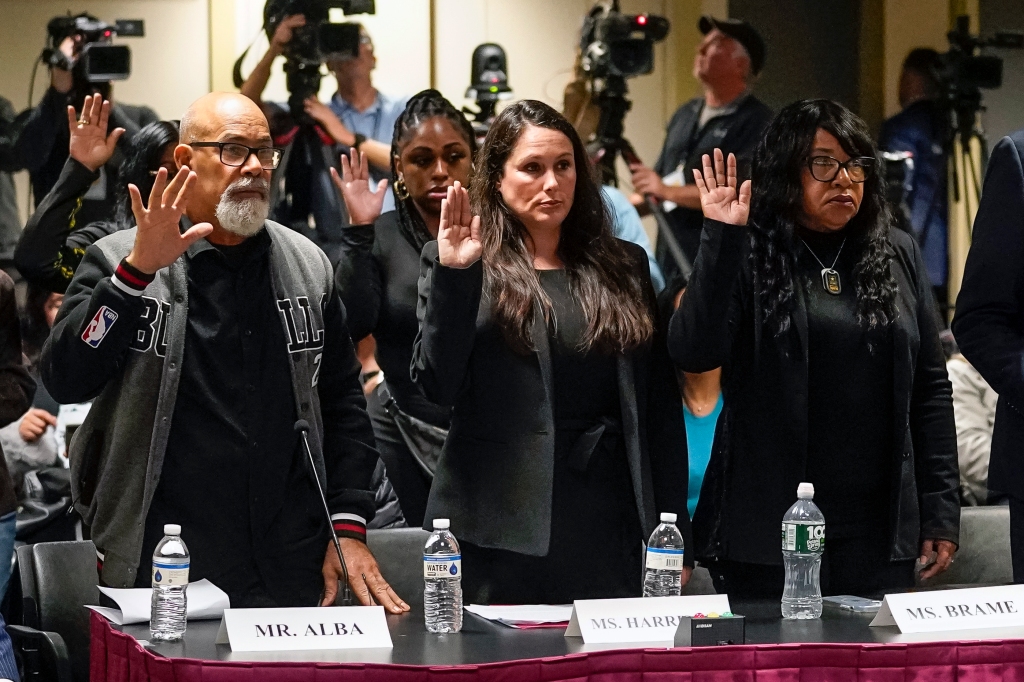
760	451
495	475
989	322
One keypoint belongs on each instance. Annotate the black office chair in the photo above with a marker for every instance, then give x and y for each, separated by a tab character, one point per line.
57	579
399	553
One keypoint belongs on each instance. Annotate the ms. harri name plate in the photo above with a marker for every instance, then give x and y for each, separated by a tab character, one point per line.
299	629
941	610
656	619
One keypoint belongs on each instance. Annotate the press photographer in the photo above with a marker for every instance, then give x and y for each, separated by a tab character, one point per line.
82	60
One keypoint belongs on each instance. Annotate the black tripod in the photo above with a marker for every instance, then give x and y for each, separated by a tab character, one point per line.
608	143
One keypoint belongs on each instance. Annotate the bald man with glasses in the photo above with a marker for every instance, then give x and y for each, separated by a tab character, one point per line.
203	335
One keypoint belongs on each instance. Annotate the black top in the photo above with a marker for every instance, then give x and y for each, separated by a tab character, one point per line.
849	395
233	467
377	278
16	386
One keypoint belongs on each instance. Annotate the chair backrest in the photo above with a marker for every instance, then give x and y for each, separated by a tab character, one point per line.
700	583
65	581
984	554
27	582
399	553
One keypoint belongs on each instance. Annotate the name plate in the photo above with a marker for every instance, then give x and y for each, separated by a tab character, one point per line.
298	629
654	619
966	609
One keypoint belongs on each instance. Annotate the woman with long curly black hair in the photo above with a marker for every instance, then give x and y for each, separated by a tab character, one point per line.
540	328
821	318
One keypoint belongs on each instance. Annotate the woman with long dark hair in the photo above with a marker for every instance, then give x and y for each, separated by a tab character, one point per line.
833	373
431	149
539	328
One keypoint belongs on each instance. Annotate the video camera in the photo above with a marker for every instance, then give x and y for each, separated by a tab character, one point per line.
313	43
98	59
617	44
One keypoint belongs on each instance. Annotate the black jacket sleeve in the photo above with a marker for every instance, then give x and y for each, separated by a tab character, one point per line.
16	386
73	370
703	329
449	300
990	308
47	255
359	280
9	161
349	454
40	128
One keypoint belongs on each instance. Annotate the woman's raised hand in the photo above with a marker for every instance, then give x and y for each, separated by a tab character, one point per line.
458	238
363	204
719	198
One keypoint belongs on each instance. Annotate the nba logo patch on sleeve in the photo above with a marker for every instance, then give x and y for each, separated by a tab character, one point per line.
100	325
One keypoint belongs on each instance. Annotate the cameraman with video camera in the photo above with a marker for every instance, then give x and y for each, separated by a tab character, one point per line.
43	141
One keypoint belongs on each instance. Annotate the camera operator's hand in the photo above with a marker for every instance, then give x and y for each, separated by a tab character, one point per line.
283	32
90	144
329	121
363	204
159	241
719	198
647	181
61	79
458	238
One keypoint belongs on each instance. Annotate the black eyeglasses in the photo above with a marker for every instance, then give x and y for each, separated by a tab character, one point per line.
234	154
826	168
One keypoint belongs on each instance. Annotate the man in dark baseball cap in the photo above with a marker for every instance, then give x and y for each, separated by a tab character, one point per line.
727	116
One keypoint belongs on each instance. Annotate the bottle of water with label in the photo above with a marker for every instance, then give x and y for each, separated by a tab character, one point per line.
170	580
442	575
664	563
803	542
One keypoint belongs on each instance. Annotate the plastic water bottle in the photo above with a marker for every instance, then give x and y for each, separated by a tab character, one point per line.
170	580
664	563
442	575
803	542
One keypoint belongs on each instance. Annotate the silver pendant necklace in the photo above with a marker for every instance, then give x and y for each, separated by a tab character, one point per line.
829	276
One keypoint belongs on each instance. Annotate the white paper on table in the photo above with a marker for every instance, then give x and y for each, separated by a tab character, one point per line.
204	601
523	614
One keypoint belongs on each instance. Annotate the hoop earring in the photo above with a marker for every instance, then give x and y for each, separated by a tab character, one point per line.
401	191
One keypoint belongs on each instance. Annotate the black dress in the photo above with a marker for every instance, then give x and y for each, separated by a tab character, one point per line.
594	520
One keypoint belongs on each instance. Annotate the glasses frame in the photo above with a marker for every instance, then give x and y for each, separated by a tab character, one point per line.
843	165
251	152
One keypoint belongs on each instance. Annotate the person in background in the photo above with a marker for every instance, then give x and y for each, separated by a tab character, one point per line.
626	225
358	116
727	116
10	222
540	329
432	148
921	129
974	406
821	319
989	322
43	143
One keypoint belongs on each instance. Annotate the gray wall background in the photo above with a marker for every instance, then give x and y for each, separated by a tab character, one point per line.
1005	106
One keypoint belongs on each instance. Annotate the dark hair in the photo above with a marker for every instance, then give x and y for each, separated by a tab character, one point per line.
421	106
142	155
928	63
777	173
34	329
602	275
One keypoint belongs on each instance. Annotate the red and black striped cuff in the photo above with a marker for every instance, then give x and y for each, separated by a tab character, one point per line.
349	526
130	279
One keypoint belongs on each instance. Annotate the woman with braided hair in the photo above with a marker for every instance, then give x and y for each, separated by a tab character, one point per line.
432	148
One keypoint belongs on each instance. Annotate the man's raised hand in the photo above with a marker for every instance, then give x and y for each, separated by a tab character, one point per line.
159	241
458	237
719	198
90	145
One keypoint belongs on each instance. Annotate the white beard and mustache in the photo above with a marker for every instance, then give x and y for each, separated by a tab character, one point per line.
244	217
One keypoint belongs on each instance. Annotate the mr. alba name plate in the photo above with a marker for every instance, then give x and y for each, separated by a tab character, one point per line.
300	629
967	609
654	619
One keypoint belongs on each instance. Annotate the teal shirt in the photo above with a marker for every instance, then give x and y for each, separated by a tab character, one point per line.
700	436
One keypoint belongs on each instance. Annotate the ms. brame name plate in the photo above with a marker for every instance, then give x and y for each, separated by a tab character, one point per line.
967	609
654	619
333	627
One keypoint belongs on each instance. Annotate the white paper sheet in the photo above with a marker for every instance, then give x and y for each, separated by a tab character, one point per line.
523	614
205	601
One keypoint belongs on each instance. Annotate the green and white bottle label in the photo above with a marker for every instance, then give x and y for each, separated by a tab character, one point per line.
799	537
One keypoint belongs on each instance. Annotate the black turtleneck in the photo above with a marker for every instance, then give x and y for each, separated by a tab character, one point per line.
850	394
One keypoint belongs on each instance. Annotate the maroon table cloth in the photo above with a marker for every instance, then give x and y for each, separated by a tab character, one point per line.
117	657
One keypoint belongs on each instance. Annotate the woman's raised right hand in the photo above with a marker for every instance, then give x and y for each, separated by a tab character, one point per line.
364	206
458	237
719	198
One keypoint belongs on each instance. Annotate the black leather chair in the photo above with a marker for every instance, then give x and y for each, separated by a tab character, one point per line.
399	553
57	579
